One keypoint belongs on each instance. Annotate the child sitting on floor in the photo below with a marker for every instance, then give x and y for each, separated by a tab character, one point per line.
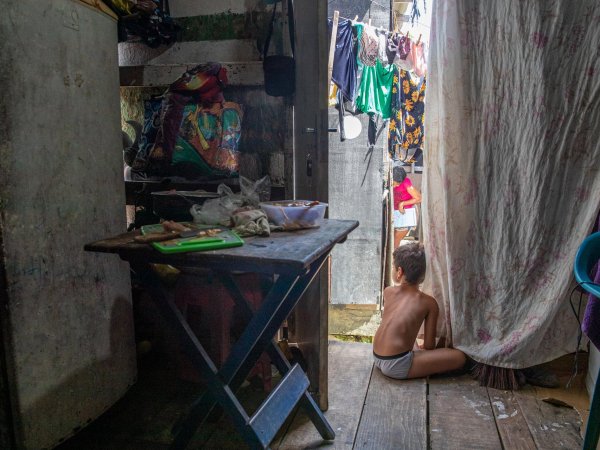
405	309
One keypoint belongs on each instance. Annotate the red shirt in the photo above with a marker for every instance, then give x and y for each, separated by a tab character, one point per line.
401	193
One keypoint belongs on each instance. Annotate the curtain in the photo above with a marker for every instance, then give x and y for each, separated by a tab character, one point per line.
512	179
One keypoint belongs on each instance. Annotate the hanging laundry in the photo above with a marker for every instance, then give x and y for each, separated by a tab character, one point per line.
333	94
403	47
392	48
375	90
406	129
382	47
368	45
417	58
344	60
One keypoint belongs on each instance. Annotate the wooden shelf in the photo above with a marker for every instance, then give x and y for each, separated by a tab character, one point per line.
239	74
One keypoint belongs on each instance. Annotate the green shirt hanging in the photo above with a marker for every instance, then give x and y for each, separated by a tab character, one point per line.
375	89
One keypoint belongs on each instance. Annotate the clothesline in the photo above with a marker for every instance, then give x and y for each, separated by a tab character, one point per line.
385	30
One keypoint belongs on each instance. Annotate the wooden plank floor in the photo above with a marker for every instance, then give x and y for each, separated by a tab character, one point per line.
366	410
438	413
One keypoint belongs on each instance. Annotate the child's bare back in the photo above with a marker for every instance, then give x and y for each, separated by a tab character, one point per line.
406	308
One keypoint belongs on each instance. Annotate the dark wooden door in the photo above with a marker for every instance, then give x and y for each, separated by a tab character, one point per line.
309	325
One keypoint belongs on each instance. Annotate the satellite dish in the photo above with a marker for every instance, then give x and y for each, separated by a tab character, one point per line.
352	127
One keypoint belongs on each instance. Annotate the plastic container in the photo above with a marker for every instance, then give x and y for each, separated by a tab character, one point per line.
294	213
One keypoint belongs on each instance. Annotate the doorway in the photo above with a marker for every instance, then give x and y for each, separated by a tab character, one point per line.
359	187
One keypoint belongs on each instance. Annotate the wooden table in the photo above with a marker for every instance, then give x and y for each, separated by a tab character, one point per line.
296	259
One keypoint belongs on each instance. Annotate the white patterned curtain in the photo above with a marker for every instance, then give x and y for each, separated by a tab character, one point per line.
512	179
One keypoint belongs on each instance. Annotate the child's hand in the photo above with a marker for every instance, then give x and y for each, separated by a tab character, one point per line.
400	208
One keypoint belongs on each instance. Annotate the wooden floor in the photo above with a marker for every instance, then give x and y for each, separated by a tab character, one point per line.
370	411
367	411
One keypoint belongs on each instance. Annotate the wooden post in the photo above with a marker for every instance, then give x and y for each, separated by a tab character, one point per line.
389	262
336	19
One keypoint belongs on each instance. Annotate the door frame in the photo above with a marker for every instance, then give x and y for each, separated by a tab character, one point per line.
310	177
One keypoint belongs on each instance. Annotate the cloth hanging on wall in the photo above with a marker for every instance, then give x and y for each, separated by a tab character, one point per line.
406	129
507	202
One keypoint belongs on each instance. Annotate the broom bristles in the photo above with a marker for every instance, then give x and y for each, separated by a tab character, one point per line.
496	377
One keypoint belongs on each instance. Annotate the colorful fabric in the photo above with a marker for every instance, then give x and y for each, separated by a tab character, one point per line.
208	139
403	47
205	82
121	7
375	90
401	193
512	185
368	49
406	130
171	114
150	128
190	131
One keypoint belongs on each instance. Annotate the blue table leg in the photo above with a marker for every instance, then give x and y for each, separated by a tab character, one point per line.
279	360
219	392
201	409
263	326
256	338
592	431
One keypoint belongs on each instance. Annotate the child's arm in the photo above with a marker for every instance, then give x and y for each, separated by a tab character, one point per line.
431	325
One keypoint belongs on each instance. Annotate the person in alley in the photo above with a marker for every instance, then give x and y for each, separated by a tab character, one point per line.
406	308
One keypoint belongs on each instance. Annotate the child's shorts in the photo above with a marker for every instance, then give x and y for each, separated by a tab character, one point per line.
406	220
396	366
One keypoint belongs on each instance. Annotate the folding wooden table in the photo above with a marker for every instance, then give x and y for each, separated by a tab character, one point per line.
295	258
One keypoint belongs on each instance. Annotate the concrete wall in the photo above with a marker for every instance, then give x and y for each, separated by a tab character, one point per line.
66	314
356	189
231	32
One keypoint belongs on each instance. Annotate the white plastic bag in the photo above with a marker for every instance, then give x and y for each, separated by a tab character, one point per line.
218	211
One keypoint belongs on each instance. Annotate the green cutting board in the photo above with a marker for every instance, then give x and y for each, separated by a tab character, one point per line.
225	239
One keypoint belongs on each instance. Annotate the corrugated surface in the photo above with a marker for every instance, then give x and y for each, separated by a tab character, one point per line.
355	191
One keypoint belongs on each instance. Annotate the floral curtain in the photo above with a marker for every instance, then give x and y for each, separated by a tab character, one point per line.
512	179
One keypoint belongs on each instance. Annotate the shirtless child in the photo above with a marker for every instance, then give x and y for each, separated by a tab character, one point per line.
406	307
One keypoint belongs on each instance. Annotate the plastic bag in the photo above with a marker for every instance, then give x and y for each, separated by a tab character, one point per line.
218	211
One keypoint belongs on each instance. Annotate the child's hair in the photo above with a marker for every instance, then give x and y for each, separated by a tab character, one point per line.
411	258
398	174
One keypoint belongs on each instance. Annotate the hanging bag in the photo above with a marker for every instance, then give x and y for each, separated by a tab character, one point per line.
280	70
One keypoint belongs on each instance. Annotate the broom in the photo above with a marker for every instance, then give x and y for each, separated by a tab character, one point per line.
497	377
